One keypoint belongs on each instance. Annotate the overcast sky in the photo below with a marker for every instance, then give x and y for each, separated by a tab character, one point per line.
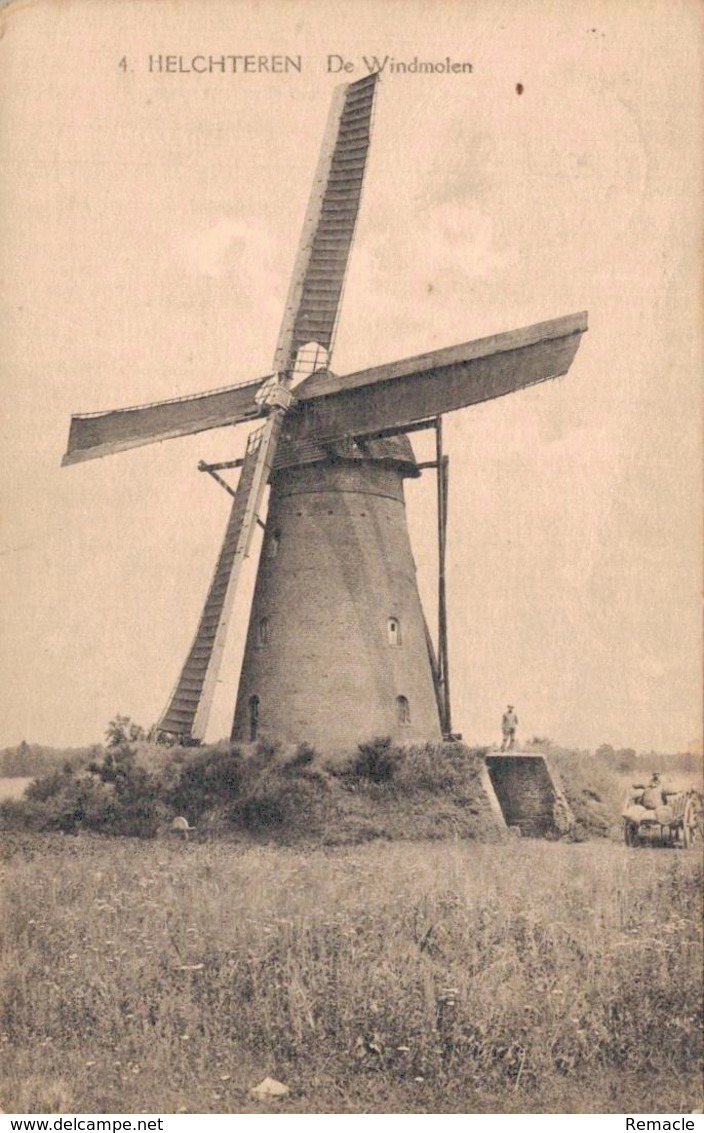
150	223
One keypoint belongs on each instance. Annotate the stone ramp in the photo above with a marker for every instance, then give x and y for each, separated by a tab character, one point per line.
527	793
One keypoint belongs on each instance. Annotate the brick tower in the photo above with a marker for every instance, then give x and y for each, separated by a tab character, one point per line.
337	649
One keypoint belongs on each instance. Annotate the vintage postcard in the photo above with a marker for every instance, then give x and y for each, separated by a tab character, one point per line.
351	543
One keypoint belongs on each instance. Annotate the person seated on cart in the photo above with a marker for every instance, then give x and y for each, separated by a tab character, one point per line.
654	794
643	801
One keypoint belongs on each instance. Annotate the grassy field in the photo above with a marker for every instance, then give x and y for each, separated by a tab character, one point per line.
392	977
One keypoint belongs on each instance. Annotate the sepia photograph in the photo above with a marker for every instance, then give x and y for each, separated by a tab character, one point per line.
351	554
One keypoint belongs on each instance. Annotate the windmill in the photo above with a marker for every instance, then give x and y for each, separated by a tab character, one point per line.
337	647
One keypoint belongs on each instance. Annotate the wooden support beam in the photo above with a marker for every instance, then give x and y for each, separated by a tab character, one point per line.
397	430
203	467
218	479
441	464
210	468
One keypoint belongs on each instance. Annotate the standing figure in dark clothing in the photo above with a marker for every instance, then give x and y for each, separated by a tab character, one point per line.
509	723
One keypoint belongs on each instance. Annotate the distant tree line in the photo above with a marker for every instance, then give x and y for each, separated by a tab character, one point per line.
27	760
31	760
625	760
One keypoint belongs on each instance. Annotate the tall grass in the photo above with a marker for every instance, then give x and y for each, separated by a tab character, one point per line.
389	978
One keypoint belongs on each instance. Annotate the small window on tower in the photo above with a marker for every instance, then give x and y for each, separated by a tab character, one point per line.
403	710
393	627
274	543
263	631
253	717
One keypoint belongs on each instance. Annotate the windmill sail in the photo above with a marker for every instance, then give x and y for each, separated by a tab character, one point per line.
100	434
400	393
313	302
189	706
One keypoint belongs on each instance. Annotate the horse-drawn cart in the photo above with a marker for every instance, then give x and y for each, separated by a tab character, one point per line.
677	820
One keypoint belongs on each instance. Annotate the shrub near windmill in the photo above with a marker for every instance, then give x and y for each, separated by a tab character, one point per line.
337	648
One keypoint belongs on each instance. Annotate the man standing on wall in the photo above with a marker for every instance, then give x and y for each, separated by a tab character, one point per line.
509	723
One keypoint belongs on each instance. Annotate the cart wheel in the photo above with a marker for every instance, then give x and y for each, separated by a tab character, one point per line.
692	821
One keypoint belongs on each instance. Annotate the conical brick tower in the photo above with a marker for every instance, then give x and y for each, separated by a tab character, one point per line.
337	649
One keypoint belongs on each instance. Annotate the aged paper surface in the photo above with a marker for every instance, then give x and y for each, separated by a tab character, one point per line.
528	160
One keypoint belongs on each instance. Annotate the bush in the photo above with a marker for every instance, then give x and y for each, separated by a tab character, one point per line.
303	756
266	750
377	760
115	797
51	785
440	768
121	731
259	812
287	796
120	795
208	779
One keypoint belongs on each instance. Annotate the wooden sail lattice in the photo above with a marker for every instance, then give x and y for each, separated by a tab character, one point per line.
313	303
189	705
